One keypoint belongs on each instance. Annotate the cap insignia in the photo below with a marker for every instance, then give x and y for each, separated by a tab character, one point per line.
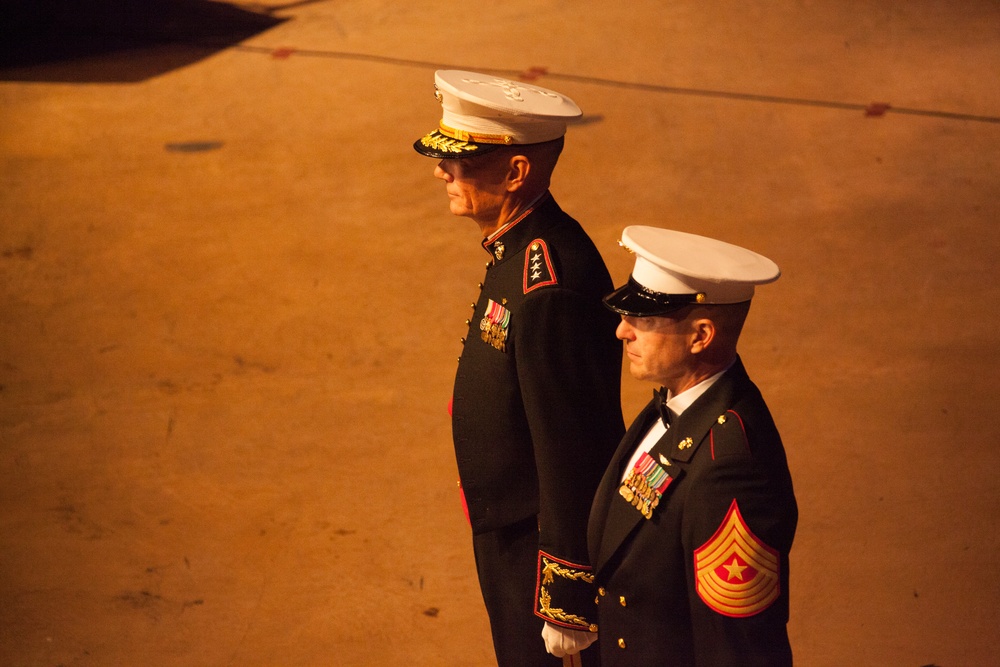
511	89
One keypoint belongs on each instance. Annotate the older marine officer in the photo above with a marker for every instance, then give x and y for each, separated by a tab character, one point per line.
692	525
536	405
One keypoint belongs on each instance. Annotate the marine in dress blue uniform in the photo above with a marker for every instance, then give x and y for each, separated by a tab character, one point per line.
536	410
693	522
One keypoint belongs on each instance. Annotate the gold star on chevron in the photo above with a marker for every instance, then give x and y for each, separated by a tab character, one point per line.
735	569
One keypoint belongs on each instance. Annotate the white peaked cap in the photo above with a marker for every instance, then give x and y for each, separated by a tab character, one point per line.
481	112
674	269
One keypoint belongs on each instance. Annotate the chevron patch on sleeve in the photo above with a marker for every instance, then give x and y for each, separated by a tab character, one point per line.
736	574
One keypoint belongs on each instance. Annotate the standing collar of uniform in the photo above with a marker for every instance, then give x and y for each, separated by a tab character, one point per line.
495	236
682	401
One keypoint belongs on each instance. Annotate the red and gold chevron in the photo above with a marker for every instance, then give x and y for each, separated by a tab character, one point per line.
737	575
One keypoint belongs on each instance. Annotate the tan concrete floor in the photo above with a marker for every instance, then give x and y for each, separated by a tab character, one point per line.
223	374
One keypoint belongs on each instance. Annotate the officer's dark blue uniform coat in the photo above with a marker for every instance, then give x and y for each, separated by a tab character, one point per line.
536	409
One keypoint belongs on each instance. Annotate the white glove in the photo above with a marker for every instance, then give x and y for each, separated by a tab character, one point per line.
561	641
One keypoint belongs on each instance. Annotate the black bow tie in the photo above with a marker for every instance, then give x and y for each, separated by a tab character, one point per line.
660	396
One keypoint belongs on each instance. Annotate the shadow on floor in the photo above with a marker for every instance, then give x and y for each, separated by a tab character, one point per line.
118	41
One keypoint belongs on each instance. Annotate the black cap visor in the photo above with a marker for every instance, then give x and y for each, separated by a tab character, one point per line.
441	146
634	300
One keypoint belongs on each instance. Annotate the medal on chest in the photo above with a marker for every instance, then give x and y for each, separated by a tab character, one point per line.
644	485
494	325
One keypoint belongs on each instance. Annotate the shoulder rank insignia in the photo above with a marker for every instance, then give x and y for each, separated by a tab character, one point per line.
736	573
538	271
493	327
728	437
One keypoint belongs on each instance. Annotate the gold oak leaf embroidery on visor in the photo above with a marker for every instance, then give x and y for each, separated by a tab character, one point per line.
737	574
446	144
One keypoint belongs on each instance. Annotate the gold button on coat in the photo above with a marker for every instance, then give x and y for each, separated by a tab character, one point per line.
621	643
622	600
